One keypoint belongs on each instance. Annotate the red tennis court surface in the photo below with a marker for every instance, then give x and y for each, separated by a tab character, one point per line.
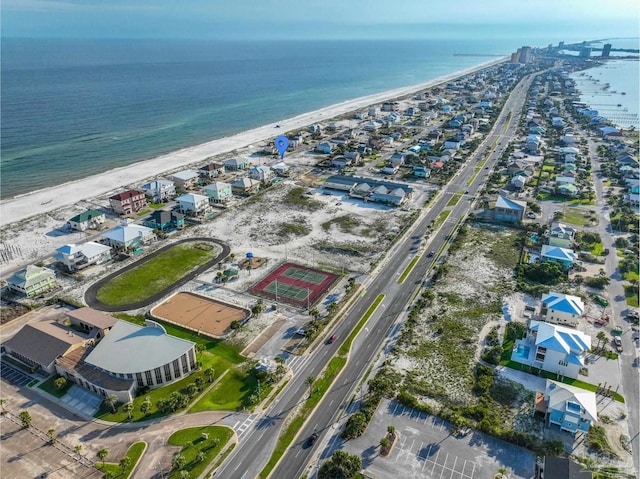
295	284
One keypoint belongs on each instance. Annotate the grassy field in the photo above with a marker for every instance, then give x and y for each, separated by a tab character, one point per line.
631	295
577	216
134	453
228	394
153	276
192	443
50	387
454	199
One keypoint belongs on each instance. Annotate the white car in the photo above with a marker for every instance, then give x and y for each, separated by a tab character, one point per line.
531	216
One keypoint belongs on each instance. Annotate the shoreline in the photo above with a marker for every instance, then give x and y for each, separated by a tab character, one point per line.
42	201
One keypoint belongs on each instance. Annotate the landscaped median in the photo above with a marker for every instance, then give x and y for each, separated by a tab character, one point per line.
127	464
320	387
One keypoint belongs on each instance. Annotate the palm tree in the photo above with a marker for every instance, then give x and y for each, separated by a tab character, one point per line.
60	383
102	455
77	448
391	430
310	380
125	462
200	456
3	401
602	338
25	418
128	408
52	435
210	372
178	462
111	400
145	407
184	474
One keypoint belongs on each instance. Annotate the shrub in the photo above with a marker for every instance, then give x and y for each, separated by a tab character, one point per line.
355	427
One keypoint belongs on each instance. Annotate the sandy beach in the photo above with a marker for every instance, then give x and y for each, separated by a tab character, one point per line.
49	199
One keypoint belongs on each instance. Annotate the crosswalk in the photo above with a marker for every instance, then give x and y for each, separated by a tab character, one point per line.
296	363
241	428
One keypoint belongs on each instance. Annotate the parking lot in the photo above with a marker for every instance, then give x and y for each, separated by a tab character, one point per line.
425	449
25	453
14	376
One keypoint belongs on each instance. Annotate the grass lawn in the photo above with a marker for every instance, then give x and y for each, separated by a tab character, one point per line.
441	219
213	354
154	275
454	199
630	275
576	217
192	443
597	249
631	295
134	453
50	387
143	212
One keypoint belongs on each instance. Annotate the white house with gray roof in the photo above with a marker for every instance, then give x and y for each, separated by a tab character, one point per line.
559	308
131	357
79	256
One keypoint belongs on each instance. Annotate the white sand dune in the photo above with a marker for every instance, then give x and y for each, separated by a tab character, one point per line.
42	201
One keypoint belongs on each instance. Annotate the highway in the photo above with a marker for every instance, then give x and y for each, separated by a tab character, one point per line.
254	450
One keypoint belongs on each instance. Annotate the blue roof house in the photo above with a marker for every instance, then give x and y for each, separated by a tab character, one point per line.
553	348
557	254
559	308
571	408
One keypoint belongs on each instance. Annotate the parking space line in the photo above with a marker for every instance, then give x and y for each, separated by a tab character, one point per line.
395	408
426	459
444	466
454	467
435	461
473	470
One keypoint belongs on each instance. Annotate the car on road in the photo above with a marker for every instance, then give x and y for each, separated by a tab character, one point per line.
431	253
331	339
618	342
486	167
311	440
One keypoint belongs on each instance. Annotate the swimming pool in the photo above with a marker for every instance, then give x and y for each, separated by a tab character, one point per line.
522	352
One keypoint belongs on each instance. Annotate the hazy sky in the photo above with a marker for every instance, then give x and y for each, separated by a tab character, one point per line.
313	18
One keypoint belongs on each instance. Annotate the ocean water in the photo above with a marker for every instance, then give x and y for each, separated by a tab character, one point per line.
73	108
620	101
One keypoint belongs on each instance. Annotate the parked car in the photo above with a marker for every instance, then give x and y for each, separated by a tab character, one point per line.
618	343
531	215
301	332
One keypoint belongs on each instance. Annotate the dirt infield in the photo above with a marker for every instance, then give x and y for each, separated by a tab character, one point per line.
295	284
197	313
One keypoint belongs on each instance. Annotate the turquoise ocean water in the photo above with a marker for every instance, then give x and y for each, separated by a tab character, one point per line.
73	108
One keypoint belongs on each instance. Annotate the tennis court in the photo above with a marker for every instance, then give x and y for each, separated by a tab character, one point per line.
295	284
305	275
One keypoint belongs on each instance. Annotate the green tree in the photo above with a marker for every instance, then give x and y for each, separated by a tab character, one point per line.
3	401
199	382
128	408
178	462
385	442
342	465
78	449
102	455
145	407
60	383
210	373
51	433
184	474
355	427
602	338
391	430
111	401
25	419
314	313
200	456
125	463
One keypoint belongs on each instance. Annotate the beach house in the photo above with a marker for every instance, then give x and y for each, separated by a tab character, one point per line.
159	191
556	254
78	256
553	348
185	180
261	173
127	236
573	409
552	467
506	210
211	170
561	235
193	204
218	192
90	219
235	164
164	220
245	186
564	309
128	202
32	281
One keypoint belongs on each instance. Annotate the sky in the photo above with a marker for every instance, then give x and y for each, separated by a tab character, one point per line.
300	19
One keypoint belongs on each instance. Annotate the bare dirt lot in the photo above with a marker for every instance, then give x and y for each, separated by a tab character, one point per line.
200	314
